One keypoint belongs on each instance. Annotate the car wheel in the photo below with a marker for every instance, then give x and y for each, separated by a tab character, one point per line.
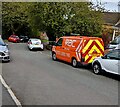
74	62
54	56
96	68
42	49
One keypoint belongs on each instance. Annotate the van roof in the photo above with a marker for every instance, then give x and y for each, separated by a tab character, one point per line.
79	37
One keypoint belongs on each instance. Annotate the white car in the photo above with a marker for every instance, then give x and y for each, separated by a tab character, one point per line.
109	63
34	43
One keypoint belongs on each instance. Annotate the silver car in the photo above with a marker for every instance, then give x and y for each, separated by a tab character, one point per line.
4	52
113	44
109	63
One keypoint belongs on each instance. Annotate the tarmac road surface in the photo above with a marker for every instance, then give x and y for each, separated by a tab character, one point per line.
37	80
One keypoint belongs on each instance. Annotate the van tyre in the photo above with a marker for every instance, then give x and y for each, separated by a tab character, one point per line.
54	56
97	68
74	63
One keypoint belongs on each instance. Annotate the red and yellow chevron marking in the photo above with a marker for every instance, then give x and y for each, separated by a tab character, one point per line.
92	49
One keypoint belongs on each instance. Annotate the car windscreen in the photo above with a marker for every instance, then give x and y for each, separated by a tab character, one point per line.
26	36
36	41
1	42
21	36
116	41
16	37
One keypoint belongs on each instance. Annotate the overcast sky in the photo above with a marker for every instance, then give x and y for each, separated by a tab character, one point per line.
111	5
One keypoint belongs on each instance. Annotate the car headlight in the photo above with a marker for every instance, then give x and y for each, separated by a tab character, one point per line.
6	52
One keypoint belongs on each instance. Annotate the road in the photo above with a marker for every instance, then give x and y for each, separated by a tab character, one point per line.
37	80
5	98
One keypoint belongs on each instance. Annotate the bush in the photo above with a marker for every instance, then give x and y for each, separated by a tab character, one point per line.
49	47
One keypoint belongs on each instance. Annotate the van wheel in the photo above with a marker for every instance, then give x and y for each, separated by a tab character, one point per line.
74	62
54	56
96	68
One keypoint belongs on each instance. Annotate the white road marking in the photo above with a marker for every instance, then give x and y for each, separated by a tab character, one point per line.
17	102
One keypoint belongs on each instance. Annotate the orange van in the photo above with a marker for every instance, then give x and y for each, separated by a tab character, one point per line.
78	49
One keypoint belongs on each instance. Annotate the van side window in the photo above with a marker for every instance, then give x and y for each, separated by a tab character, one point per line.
59	43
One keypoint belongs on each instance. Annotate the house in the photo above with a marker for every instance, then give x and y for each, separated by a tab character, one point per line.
112	22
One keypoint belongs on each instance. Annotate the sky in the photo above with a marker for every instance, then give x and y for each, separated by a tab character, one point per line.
111	5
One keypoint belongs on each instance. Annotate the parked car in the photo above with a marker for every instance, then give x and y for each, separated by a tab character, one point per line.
4	52
110	62
23	38
14	38
34	43
113	44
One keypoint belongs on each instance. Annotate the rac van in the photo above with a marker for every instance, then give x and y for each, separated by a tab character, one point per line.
77	50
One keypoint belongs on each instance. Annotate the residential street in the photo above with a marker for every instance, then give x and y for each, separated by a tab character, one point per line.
38	80
5	98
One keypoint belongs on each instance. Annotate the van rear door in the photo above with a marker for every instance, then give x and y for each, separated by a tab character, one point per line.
92	48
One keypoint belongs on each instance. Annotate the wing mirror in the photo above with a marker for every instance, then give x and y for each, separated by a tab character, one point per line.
6	44
104	57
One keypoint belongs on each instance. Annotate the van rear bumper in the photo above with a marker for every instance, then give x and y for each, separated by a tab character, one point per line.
84	64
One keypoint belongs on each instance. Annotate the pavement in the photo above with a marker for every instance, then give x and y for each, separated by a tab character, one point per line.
38	80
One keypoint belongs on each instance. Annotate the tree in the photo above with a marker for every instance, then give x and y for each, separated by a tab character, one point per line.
49	17
55	18
13	17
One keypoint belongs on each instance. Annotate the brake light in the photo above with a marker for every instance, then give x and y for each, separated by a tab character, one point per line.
29	42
